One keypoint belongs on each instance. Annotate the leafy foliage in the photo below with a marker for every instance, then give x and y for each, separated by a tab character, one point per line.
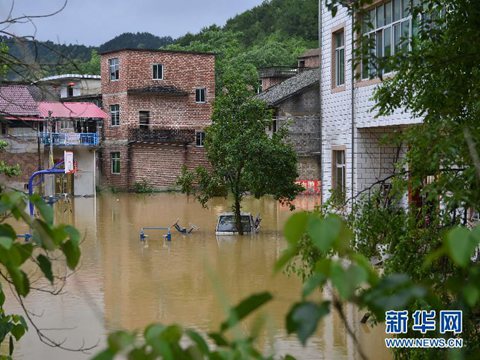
243	157
139	40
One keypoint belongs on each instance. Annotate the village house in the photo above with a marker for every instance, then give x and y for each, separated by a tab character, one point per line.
353	154
159	104
293	95
34	128
72	87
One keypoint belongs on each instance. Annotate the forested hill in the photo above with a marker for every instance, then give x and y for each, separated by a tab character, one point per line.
271	34
274	33
142	40
50	58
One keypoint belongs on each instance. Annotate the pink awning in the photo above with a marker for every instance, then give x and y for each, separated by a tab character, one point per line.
70	110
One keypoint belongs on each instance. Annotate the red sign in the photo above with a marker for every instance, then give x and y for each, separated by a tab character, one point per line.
312	187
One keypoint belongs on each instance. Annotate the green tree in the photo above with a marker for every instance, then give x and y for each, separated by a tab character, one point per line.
243	157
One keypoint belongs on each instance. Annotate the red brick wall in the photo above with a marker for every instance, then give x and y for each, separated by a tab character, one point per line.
28	165
185	71
158	164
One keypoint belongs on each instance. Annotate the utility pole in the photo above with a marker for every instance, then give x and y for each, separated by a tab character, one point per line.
50	158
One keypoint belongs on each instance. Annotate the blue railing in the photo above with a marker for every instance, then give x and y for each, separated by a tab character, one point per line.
69	139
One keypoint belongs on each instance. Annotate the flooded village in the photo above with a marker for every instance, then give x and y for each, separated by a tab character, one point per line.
261	197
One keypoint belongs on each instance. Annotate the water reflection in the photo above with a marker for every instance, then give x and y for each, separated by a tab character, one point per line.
124	283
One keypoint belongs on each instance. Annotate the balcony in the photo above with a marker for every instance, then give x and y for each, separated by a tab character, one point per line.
70	139
161	136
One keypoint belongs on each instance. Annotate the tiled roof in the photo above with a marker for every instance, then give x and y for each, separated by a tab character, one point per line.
310	53
70	110
16	100
277	93
160	90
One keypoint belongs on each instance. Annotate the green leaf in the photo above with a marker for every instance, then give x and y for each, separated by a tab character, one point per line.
303	318
460	245
313	282
107	354
153	332
18	331
72	253
45	266
7	231
244	308
295	227
287	255
324	232
46	211
10	346
19	279
471	293
6	242
198	340
120	340
163	349
218	339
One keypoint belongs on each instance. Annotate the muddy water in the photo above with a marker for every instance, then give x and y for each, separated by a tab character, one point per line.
123	283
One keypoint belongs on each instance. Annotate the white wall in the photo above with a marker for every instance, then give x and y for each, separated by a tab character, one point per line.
84	179
372	161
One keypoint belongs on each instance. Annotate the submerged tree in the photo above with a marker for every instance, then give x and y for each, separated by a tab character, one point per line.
243	157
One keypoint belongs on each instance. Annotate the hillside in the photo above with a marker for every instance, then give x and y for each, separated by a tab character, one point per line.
271	34
274	33
46	58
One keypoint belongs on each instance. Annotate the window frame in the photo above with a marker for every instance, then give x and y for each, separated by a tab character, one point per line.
146	116
198	95
200	143
338	59
115	168
117	117
397	24
114	69
157	65
339	166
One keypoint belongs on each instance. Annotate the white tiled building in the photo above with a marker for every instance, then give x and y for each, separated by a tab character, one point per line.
353	156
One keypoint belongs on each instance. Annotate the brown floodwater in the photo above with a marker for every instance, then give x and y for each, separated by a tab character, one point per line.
123	283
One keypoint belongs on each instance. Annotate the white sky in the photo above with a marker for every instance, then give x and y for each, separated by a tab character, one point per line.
93	22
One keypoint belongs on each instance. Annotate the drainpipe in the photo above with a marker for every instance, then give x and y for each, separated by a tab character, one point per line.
353	104
320	32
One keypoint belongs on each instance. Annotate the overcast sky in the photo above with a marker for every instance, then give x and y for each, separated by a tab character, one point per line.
93	22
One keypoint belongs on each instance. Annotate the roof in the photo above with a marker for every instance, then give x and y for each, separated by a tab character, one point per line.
292	86
158	51
159	90
70	76
16	100
70	110
310	53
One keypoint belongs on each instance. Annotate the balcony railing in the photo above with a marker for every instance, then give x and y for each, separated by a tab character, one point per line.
70	139
173	136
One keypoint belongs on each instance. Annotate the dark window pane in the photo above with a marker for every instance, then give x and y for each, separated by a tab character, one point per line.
388	13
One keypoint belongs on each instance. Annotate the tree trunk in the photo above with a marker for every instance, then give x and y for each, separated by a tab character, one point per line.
238	218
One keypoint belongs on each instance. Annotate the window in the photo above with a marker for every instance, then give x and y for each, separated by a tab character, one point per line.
199	138
115	162
200	95
69	91
338	183
144	119
157	72
339	58
115	114
113	65
386	31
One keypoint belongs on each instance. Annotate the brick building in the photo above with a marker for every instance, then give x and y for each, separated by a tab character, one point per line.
295	102
159	104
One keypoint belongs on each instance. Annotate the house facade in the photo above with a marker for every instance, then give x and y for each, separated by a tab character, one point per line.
38	131
159	104
355	154
295	103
